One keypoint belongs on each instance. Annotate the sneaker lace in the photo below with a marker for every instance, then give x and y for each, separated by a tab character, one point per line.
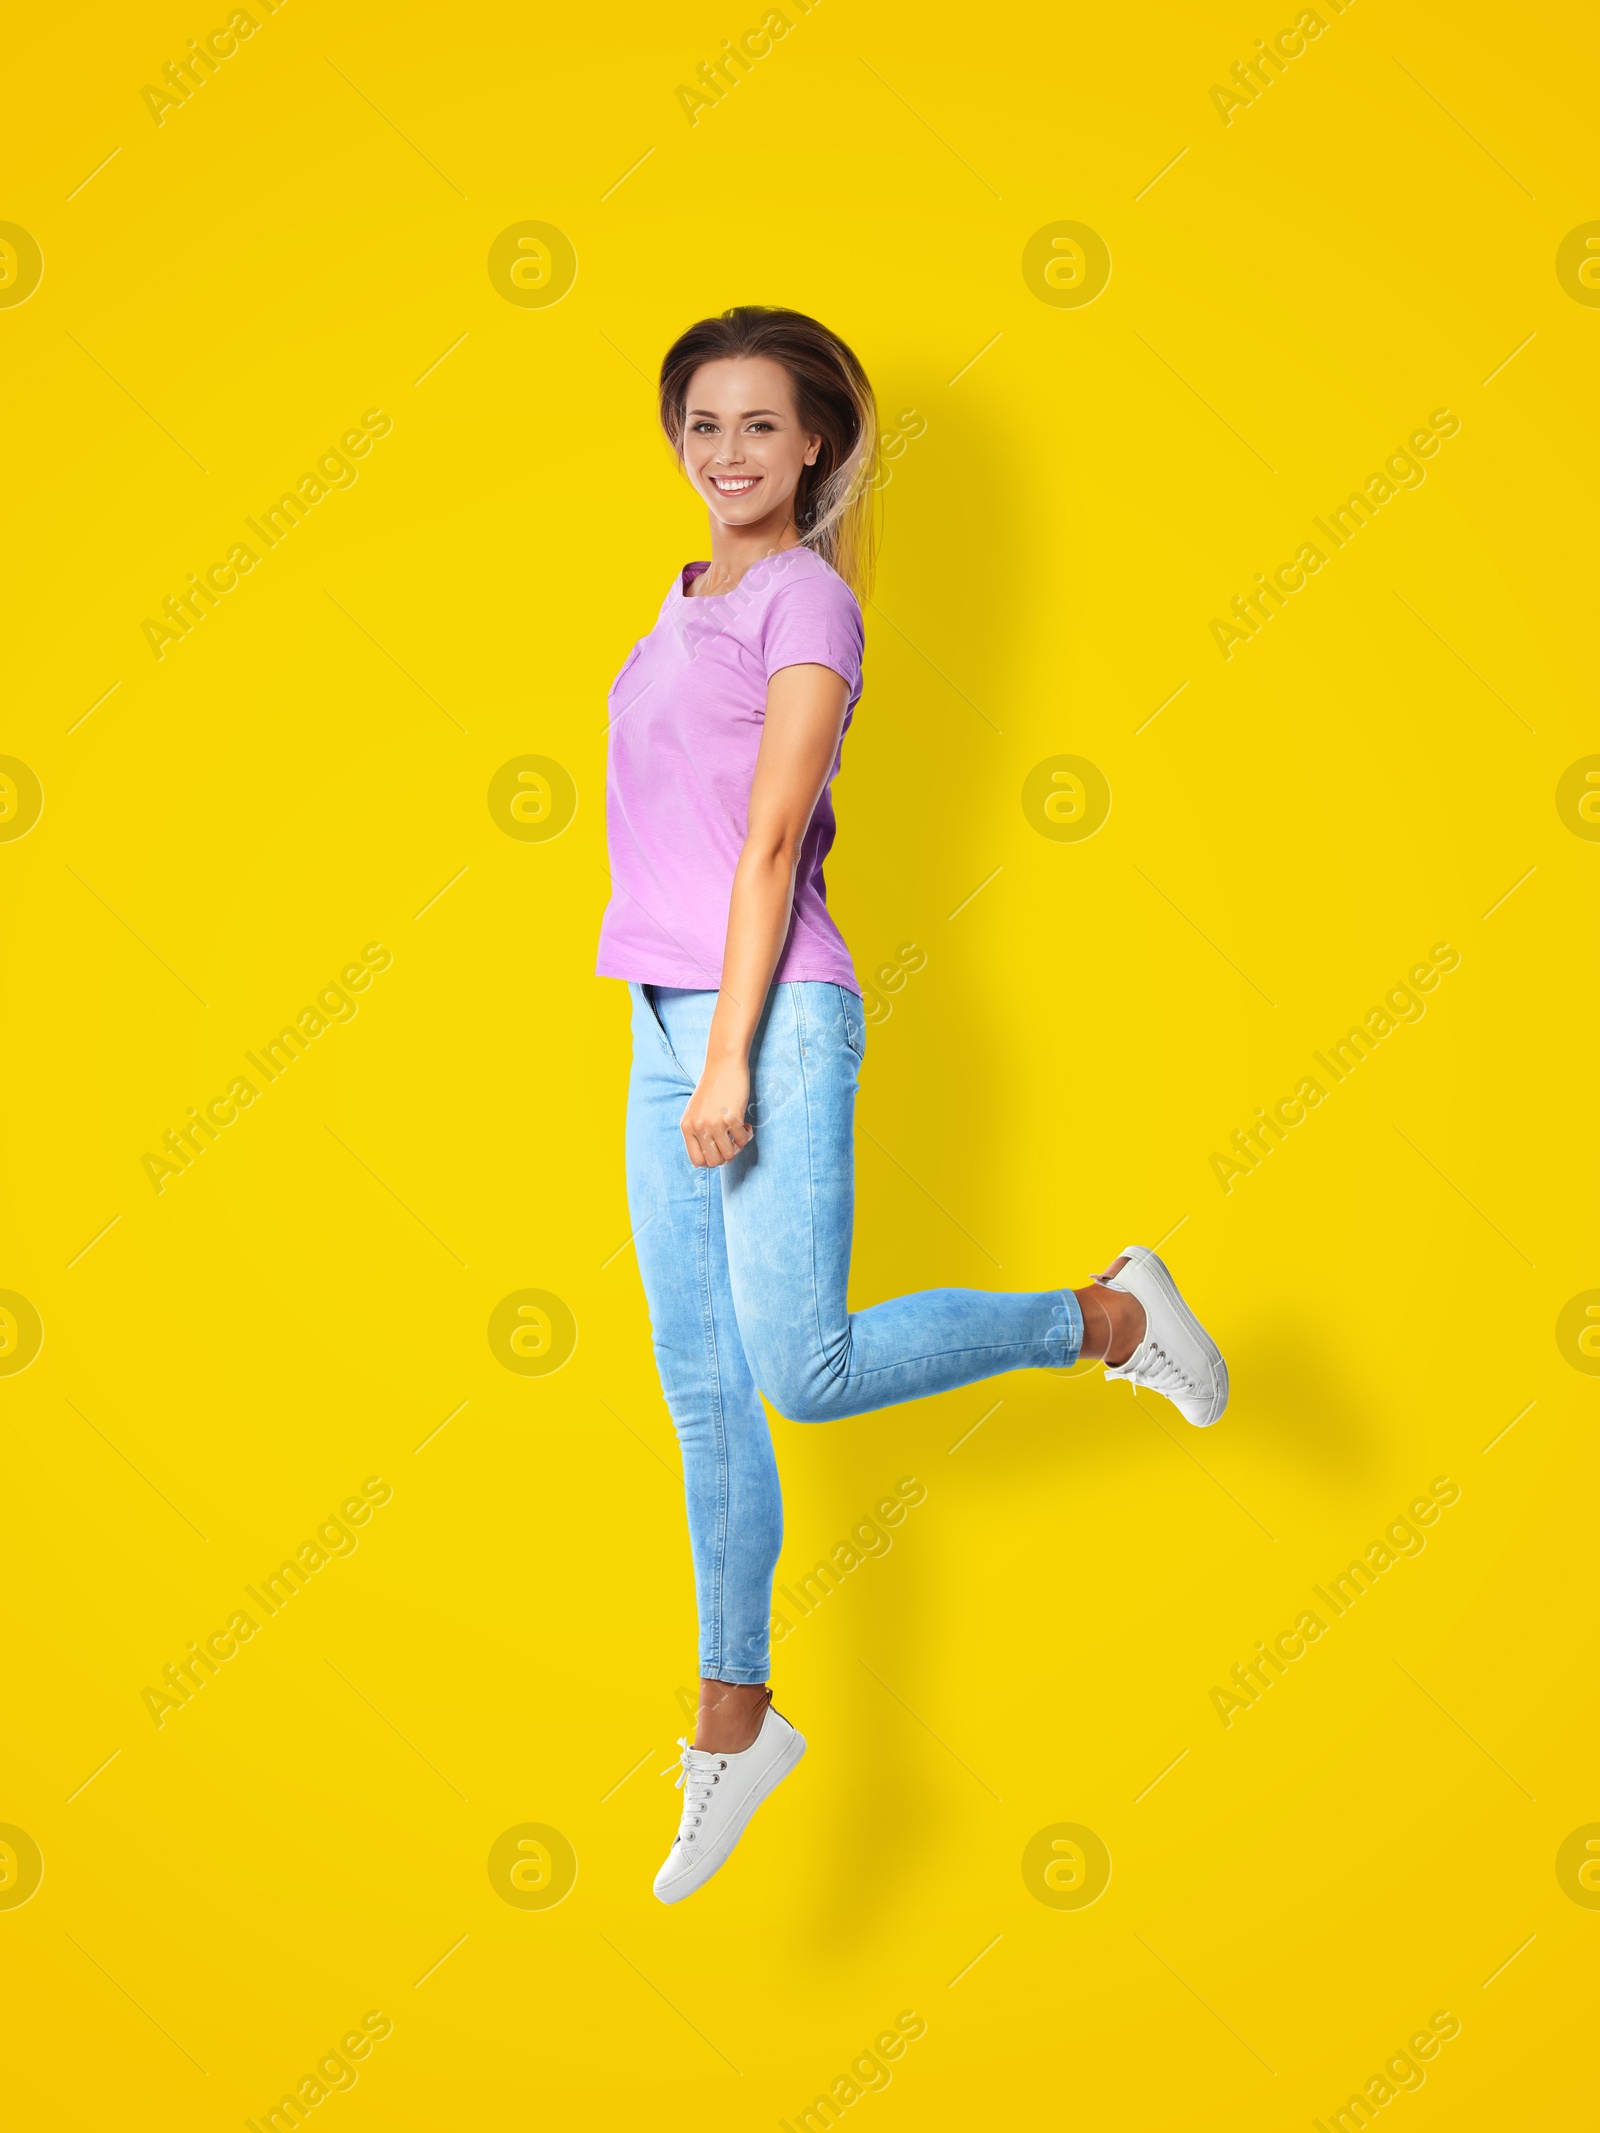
698	1771
1161	1373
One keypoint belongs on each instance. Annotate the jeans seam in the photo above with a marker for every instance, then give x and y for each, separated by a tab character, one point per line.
1066	1326
940	1355
659	1026
708	1320
860	1057
797	994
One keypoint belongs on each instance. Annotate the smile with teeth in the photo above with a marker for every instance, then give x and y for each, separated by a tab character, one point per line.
734	484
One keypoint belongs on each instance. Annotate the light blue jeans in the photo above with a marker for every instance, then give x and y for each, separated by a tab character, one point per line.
745	1269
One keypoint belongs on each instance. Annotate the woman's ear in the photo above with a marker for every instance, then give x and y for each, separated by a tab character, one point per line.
812	451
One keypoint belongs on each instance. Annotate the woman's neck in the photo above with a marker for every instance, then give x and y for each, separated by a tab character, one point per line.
736	549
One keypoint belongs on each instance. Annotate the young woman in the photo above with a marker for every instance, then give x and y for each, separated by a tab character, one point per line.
748	1027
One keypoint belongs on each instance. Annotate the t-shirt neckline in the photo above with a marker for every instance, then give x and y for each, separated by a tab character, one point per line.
698	570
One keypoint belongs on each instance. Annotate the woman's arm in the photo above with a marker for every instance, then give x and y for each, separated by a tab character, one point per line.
805	714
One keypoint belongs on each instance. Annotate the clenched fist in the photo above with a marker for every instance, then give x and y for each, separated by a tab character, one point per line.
713	1126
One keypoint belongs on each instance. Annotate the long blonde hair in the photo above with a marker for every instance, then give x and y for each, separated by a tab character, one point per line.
833	504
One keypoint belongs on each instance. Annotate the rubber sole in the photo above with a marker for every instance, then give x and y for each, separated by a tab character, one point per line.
1157	1268
677	1891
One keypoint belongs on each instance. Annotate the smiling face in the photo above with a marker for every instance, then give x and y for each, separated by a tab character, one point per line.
743	447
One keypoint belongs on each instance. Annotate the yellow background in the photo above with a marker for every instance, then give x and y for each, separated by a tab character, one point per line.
308	770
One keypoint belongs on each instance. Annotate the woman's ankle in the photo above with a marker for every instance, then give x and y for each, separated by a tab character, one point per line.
730	1715
1113	1321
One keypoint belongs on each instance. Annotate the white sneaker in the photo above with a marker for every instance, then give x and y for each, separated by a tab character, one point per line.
1177	1357
720	1794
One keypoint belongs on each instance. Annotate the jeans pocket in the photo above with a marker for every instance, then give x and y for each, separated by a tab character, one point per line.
645	1002
854	1016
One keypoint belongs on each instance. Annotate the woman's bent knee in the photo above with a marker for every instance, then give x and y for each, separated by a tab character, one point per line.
804	1398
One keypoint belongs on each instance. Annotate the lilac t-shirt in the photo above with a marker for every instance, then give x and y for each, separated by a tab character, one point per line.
687	712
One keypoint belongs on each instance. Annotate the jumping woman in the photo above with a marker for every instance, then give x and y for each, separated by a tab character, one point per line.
727	722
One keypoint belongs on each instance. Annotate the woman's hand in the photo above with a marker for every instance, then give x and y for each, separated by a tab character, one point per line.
713	1127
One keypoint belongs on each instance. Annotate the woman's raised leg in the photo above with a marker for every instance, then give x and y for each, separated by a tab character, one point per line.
789	1212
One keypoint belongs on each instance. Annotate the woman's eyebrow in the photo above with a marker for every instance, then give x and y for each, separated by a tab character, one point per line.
745	417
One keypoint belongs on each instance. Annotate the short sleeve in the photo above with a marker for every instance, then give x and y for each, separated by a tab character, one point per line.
813	620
